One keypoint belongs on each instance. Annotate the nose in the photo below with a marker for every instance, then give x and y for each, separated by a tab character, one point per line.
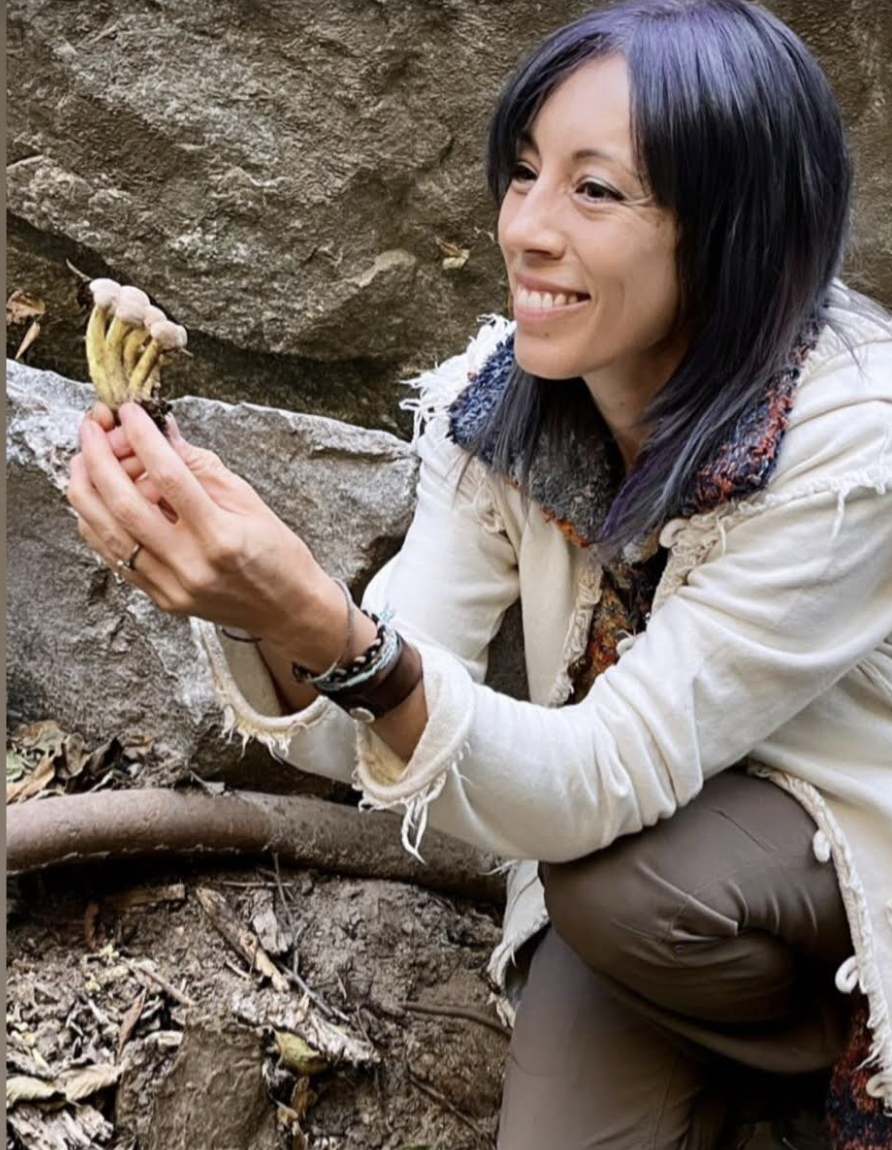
530	222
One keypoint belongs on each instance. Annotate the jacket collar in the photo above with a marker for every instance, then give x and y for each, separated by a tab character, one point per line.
576	485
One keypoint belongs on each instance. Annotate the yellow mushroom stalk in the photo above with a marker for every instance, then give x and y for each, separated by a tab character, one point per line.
166	336
129	310
105	293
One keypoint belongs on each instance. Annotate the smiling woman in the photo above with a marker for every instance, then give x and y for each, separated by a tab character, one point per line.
678	461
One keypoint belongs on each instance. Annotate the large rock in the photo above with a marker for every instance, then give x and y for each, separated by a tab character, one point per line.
278	176
100	658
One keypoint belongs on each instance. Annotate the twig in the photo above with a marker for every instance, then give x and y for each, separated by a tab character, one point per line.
177	995
450	1010
441	1098
294	973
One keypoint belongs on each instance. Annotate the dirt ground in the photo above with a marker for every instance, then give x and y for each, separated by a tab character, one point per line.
187	1054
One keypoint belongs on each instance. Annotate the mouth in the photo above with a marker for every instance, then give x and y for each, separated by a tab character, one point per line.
537	305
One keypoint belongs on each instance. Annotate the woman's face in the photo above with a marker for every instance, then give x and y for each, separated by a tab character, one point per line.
576	219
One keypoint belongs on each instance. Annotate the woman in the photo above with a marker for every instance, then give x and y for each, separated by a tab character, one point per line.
679	459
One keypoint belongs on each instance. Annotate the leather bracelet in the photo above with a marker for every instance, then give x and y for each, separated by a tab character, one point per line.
369	701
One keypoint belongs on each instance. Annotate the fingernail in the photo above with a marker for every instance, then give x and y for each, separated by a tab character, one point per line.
173	432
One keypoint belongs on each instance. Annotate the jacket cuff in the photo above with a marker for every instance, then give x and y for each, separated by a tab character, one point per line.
246	692
386	780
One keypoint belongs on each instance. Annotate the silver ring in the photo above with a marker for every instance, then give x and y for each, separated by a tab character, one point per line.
128	564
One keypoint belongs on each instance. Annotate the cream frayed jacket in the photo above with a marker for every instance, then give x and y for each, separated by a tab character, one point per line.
770	637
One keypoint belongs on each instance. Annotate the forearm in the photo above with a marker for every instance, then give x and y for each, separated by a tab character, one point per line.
317	645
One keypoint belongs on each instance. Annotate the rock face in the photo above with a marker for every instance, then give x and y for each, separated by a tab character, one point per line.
100	658
281	178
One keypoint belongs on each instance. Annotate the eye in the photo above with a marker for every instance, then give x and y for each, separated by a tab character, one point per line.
595	191
522	173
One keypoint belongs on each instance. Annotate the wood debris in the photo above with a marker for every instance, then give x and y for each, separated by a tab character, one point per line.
239	937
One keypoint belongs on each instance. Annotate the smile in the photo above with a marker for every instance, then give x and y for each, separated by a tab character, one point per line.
541	305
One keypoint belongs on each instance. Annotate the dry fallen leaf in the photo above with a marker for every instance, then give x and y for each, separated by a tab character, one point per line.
30	336
298	1055
22	306
91	934
130	1019
33	782
454	256
87	1080
23	1088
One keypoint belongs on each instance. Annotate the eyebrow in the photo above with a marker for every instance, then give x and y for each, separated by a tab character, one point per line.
526	137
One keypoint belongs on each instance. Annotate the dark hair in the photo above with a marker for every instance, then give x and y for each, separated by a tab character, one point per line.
735	130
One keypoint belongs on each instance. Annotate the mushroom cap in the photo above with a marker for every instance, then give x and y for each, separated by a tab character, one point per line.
168	335
152	316
131	304
104	291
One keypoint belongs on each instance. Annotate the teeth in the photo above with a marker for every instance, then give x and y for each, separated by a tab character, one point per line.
544	301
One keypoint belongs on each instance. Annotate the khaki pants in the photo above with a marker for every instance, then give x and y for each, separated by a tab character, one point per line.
676	957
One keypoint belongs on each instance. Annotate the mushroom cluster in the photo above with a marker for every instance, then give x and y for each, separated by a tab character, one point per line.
127	342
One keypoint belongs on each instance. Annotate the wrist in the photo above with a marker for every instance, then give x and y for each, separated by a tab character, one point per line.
315	636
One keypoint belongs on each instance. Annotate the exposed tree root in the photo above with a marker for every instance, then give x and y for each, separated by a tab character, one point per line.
302	831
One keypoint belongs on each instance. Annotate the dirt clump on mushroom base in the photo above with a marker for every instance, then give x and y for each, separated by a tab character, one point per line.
184	1067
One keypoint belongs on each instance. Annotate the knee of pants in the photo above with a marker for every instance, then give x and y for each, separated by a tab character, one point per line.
609	914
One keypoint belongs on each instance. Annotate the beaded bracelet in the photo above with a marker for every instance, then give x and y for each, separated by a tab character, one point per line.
389	653
371	660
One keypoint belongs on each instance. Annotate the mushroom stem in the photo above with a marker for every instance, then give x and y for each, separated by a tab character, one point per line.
133	344
96	329
166	336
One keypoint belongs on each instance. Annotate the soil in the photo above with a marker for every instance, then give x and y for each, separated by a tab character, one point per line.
198	1075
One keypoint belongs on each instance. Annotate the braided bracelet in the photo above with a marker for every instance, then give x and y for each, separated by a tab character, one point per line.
388	654
342	675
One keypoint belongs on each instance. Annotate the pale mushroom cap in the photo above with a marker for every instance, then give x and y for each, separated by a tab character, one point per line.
104	292
168	334
131	304
153	315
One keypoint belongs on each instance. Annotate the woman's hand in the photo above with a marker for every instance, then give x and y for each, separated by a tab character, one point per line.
210	546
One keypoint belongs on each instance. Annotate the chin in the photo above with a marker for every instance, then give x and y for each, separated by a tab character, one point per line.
544	359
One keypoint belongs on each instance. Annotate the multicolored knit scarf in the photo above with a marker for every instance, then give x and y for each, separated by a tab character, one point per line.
574	488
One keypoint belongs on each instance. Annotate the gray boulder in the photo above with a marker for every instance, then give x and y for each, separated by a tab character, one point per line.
101	658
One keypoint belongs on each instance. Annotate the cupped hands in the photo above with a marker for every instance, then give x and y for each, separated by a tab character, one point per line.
210	546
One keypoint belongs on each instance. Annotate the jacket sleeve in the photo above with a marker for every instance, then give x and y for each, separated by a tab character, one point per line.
449	585
794	590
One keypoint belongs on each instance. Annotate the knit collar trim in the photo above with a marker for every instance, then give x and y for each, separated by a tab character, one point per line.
576	486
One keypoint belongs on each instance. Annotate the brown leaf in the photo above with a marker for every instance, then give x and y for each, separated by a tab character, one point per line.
33	782
129	1021
22	306
30	336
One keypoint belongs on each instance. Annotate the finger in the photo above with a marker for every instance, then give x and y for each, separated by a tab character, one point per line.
132	467
165	466
119	443
103	415
117	493
107	537
147	574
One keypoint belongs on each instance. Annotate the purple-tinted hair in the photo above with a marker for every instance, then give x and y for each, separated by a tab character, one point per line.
736	130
